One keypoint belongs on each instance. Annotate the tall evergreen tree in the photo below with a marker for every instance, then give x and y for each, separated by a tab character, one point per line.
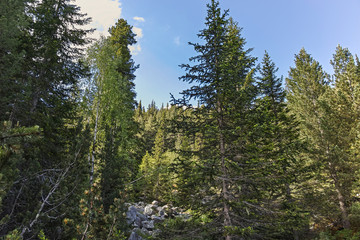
45	88
13	21
326	116
279	149
223	83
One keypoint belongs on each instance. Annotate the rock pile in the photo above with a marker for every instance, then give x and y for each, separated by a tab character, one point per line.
143	218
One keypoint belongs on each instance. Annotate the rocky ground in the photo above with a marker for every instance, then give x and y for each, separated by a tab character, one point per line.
144	217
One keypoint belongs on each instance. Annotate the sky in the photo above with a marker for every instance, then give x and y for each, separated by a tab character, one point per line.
281	27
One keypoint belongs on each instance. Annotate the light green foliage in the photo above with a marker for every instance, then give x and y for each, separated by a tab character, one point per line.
42	236
158	181
187	229
328	121
14	235
112	158
95	222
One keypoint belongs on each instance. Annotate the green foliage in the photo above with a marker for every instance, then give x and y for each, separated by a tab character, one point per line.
95	223
324	107
44	45
115	93
245	162
345	234
42	236
192	228
12	140
12	23
14	235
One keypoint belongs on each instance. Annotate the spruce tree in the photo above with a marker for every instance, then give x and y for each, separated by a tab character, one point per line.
279	149
44	94
13	21
223	84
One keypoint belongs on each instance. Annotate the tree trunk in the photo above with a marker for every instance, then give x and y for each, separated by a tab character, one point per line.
341	200
92	161
91	178
224	173
340	197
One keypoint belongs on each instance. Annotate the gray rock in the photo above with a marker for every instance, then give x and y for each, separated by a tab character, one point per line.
148	224
140	209
155	232
148	209
138	222
157	219
161	213
131	215
141	216
146	232
135	236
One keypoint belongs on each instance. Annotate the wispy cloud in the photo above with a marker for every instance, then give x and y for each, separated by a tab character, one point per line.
139	19
104	14
135	50
138	32
177	41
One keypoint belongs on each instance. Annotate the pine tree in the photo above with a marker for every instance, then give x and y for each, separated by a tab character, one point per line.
46	84
340	126
327	121
223	83
12	23
279	149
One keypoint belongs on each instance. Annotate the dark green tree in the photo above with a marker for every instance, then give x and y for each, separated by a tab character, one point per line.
223	84
118	102
13	21
279	150
45	94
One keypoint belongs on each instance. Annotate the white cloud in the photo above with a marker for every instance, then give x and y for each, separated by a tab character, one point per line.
177	41
104	14
138	32
135	50
139	19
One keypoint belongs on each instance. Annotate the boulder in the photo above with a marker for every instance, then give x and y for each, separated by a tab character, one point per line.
131	215
148	224
157	219
135	236
148	210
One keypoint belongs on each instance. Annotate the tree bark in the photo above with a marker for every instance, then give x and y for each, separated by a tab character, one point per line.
341	201
225	190
92	161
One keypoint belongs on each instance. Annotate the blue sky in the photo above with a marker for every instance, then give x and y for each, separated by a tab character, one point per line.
282	27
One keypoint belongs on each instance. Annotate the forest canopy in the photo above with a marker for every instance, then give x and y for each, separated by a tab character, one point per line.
243	153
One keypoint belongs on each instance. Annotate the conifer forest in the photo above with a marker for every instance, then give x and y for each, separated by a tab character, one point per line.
243	153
